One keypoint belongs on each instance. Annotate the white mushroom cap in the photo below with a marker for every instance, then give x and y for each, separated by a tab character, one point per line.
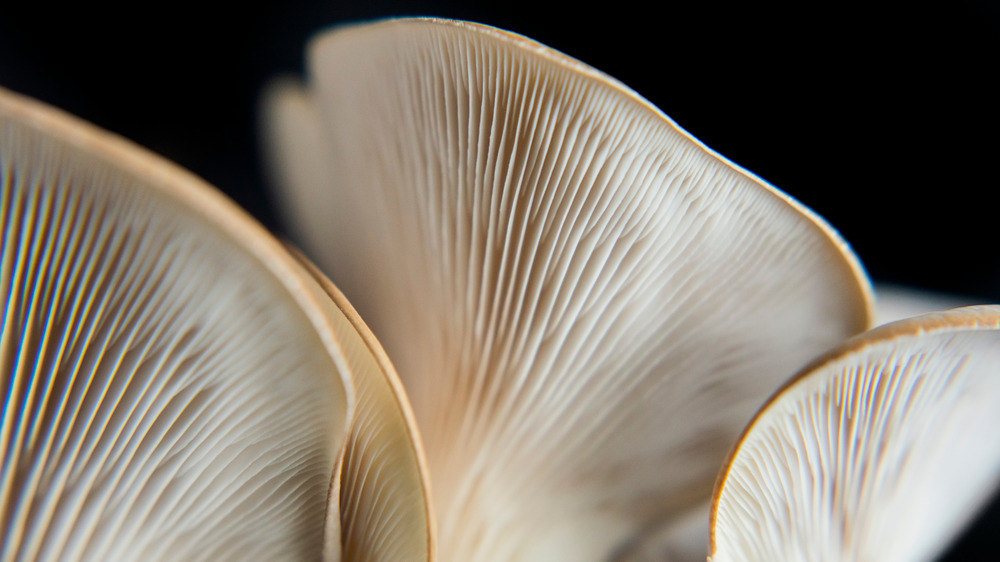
881	450
584	302
384	495
897	302
176	386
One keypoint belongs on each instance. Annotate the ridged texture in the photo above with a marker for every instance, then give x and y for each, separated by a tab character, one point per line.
164	396
584	303
383	498
883	451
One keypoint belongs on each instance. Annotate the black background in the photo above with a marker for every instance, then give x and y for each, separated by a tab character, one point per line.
883	119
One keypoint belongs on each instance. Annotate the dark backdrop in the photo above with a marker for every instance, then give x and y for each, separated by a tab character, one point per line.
883	120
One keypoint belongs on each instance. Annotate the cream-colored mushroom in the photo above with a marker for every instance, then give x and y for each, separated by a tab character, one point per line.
584	302
880	450
176	386
897	302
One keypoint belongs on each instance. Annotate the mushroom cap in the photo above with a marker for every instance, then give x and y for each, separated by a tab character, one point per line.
383	486
584	303
881	450
177	386
897	302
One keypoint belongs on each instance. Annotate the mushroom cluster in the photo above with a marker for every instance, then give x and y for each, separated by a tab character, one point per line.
585	307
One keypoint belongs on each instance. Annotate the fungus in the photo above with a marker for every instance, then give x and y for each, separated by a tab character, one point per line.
584	303
176	386
880	450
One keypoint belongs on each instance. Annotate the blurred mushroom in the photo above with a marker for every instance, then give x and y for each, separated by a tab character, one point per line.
897	302
584	303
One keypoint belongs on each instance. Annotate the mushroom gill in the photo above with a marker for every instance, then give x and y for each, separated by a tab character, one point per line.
584	303
880	450
176	385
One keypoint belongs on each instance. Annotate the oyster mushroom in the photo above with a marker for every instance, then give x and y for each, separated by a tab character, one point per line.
584	303
176	386
896	302
880	450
